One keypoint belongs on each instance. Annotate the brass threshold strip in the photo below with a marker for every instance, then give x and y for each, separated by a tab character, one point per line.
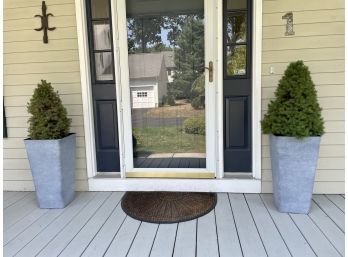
202	175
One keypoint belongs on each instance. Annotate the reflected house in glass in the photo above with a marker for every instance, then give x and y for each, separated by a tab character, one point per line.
147	79
170	65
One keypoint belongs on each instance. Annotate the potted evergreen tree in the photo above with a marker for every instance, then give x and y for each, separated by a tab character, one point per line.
295	123
50	148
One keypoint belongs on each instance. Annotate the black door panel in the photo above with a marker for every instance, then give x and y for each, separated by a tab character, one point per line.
237	86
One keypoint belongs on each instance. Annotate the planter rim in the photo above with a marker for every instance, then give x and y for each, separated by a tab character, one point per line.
58	139
293	137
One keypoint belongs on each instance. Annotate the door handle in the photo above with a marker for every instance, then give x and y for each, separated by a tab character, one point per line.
210	69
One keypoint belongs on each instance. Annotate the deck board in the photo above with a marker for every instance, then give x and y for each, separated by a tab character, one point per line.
338	201
320	245
164	241
144	240
185	243
251	242
293	238
106	234
227	232
121	243
94	224
12	198
79	243
330	209
271	238
34	239
19	210
24	223
207	242
61	240
328	227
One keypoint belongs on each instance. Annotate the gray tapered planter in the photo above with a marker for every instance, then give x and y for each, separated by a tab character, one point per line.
294	163
52	164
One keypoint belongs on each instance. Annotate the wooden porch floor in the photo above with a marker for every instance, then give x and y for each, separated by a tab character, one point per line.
241	225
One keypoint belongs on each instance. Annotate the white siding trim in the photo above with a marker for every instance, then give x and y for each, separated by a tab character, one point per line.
86	87
256	89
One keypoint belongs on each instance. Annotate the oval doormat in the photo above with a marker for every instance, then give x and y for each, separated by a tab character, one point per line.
167	207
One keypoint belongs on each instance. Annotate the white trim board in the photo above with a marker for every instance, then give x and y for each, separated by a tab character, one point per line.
86	87
182	185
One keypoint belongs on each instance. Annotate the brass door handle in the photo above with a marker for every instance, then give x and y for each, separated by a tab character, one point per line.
210	69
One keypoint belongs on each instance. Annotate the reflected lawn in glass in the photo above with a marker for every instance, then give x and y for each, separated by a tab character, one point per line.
171	139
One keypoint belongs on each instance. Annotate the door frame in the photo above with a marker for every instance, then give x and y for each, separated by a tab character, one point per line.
231	183
124	100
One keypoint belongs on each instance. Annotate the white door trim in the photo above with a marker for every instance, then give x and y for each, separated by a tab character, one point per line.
86	88
117	183
256	88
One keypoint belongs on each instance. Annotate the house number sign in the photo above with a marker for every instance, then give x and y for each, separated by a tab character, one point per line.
44	22
289	17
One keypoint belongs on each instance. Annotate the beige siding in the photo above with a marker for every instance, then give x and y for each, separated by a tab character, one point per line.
26	61
319	42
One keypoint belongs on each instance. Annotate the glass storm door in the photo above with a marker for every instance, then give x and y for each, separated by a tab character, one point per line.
168	94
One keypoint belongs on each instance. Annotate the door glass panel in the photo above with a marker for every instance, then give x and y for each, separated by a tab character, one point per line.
236	60
102	35
236	28
236	4
103	66
167	83
100	9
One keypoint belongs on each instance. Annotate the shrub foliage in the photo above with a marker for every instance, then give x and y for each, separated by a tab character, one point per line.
295	112
48	116
195	125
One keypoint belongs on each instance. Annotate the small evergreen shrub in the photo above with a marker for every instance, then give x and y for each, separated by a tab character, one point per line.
48	116
198	92
170	100
195	125
295	112
196	103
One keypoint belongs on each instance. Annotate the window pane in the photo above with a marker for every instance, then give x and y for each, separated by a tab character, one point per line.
102	35
236	60
100	9
236	28
236	4
103	66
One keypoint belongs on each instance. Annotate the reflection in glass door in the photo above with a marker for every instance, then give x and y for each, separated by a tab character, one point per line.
167	83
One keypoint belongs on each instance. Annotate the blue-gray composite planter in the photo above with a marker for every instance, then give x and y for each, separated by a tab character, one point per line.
294	163
52	164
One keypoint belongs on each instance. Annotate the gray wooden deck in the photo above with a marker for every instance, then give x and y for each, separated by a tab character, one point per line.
241	225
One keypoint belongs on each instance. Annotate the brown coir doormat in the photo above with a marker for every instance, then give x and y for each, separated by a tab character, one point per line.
167	207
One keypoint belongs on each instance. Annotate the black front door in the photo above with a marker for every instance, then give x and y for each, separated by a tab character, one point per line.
103	85
237	85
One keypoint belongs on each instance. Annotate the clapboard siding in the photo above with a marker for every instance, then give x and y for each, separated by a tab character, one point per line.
300	6
325	53
26	61
313	17
319	42
17	142
43	57
319	186
20	13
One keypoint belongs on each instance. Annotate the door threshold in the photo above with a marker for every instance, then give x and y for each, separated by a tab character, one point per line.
105	182
172	175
